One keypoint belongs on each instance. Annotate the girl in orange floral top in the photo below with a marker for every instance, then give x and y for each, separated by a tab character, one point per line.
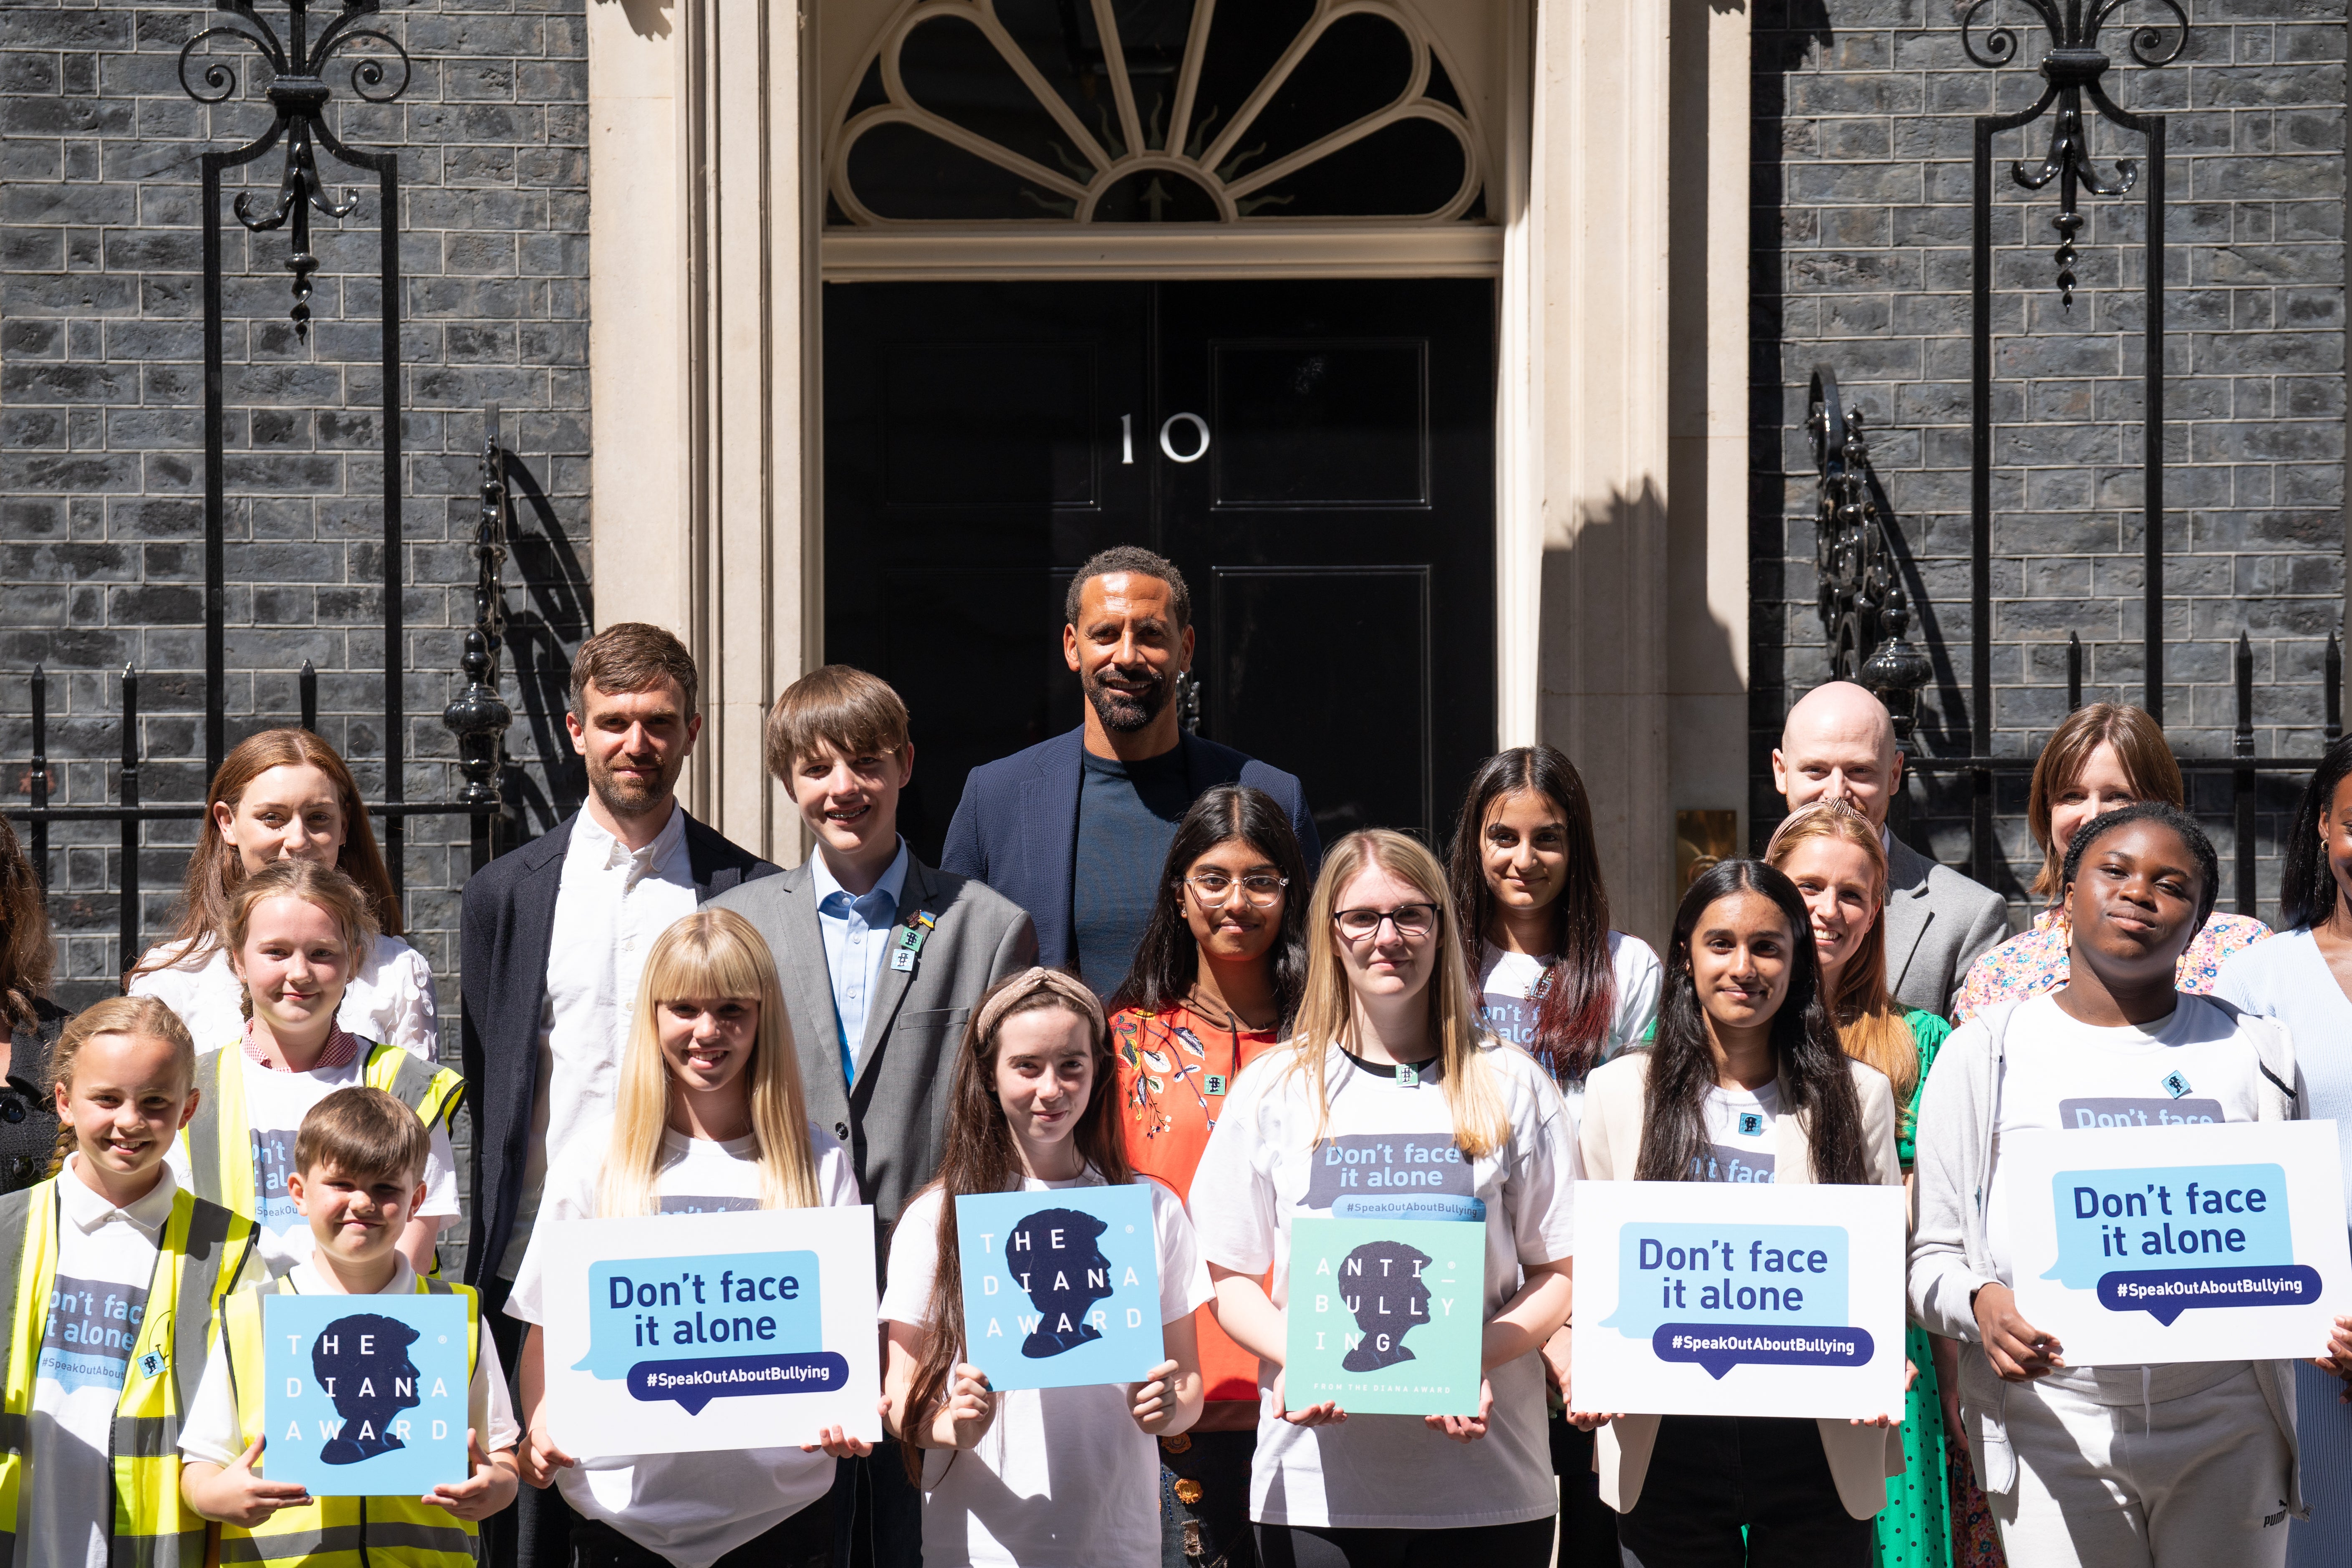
1217	976
2105	755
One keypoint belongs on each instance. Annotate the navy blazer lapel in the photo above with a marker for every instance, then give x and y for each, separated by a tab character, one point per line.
534	897
1049	831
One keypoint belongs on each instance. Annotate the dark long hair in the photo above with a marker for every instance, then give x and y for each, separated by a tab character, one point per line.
26	956
1815	1081
1579	993
2306	881
980	1157
1166	959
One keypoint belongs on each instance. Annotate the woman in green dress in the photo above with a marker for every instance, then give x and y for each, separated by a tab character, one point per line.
1833	855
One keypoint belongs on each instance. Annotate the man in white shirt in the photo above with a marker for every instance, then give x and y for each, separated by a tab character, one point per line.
1839	741
554	939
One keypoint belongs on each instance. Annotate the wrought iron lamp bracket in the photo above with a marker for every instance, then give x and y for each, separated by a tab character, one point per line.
2071	71
1865	615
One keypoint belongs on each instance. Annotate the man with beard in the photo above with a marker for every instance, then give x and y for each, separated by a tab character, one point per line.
1073	829
554	939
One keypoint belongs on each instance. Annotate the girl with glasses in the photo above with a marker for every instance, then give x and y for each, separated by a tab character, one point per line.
1217	976
1747	1082
1387	1064
1555	979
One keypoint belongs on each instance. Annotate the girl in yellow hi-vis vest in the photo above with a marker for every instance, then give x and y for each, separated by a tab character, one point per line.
112	1272
359	1157
293	929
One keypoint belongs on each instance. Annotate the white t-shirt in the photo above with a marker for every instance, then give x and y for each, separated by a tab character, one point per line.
275	1104
210	1432
611	903
997	1502
693	1508
1739	1129
106	1262
1263	1168
2065	1076
1507	1000
390	999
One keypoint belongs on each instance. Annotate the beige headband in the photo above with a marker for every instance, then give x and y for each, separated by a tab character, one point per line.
1066	988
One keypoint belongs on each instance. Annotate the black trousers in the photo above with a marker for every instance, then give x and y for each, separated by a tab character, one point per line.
536	1533
1588	1527
804	1541
878	1512
1526	1545
1712	1476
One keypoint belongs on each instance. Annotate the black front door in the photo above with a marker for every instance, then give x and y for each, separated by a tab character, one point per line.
982	440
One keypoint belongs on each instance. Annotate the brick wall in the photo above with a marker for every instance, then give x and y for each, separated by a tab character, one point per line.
1862	137
101	422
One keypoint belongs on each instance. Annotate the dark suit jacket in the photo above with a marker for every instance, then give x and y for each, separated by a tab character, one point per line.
895	1120
508	920
1016	827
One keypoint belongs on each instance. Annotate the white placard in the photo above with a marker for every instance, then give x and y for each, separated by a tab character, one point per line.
2216	1241
684	1334
1722	1298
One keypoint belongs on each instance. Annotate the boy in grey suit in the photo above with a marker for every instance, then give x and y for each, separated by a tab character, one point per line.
882	959
1839	741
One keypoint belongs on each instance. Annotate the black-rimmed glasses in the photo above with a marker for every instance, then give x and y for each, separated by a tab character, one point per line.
1411	920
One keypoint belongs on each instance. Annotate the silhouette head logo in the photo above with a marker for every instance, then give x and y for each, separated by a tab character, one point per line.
1381	1284
1057	1257
362	1362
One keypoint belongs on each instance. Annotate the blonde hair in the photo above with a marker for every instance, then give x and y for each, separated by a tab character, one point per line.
321	887
138	1016
1869	1025
1473	1093
710	953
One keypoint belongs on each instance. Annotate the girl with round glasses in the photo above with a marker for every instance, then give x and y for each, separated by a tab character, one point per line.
1387	1064
1217	977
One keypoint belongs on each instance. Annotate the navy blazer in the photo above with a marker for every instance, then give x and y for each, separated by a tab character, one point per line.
508	920
1016	827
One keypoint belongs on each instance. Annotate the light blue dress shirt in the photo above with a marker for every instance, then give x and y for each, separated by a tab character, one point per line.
856	932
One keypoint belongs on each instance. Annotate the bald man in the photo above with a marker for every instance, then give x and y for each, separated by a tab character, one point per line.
1839	741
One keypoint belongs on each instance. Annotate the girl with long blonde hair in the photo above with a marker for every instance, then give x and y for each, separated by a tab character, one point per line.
1388	1068
1833	854
709	1118
285	794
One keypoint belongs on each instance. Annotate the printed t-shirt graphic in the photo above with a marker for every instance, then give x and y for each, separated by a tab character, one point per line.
1739	1134
106	1260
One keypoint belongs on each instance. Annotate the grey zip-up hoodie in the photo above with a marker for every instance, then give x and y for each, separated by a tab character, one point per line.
1951	1182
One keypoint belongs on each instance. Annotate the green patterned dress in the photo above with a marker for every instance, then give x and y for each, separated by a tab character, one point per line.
1915	1527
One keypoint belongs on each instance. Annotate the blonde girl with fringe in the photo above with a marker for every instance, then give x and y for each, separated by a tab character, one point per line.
1833	855
708	1118
1388	1066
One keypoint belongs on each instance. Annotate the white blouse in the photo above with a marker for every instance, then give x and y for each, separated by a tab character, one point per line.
389	1000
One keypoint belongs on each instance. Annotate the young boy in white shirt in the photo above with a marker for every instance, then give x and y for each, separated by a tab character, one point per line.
358	1177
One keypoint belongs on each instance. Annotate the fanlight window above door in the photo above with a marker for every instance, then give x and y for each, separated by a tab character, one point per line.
1153	112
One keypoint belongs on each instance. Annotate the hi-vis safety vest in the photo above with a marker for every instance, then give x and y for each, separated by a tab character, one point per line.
219	1137
337	1531
202	1255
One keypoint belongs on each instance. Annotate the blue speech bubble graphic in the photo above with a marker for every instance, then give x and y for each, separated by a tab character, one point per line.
2161	1239
692	1329
1723	1294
